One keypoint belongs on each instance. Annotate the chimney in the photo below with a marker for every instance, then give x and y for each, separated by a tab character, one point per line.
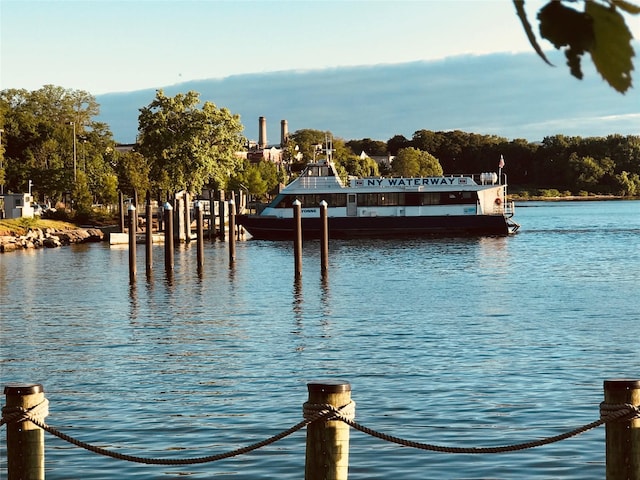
262	139
284	133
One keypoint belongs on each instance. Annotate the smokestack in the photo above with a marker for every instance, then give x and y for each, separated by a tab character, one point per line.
262	139
284	133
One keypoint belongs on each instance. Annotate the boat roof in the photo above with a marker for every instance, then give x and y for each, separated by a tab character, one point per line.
321	176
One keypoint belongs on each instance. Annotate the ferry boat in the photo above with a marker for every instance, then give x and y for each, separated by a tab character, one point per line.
456	205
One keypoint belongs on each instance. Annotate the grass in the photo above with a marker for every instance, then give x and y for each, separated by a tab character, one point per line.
19	226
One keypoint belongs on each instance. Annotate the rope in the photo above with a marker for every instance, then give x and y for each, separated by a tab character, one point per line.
16	415
20	414
609	413
313	413
329	412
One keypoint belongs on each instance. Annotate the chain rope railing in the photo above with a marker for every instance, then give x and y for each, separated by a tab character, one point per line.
314	413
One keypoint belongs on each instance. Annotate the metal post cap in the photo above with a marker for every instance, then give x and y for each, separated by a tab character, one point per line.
23	388
329	386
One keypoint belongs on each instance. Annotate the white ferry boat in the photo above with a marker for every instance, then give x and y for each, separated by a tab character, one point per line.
386	207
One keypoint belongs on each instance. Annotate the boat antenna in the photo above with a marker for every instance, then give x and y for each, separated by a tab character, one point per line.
328	140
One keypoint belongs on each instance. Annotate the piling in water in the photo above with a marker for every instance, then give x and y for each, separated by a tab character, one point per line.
232	229
168	237
622	436
297	237
25	440
324	238
132	243
199	235
327	453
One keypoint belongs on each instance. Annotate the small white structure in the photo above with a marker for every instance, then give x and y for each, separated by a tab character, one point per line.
18	205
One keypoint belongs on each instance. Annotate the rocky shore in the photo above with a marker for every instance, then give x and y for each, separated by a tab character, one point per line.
49	238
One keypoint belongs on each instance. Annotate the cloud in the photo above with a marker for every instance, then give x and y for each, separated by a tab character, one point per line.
509	95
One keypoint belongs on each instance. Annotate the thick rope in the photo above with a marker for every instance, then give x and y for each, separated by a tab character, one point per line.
311	410
20	414
313	413
609	413
162	461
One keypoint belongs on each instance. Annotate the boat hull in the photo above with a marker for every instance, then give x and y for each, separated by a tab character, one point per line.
273	228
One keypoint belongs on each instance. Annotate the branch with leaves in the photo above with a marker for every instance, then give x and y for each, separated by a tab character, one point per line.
599	29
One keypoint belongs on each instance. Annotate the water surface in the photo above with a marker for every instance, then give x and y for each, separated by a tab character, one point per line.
461	342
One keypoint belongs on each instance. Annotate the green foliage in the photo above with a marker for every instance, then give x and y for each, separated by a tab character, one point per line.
28	222
82	196
600	29
193	145
628	184
309	142
367	145
133	171
411	162
359	167
548	192
39	140
258	179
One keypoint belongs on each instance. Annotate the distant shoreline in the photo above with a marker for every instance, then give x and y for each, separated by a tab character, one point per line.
573	198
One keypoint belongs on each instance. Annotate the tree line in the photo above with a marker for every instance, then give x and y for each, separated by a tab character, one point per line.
50	137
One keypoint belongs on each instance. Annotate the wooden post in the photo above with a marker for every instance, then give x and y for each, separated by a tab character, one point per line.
168	237
622	437
121	211
149	237
324	238
132	243
187	217
199	235
232	229
221	213
25	440
297	237
327	455
160	212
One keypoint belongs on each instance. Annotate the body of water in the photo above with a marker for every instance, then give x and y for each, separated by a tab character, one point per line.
458	342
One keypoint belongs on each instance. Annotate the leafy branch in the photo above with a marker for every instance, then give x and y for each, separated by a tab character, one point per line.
600	29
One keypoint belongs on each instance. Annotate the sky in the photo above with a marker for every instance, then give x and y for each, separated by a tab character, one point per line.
120	45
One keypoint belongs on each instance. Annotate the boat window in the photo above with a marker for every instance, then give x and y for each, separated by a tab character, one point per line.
456	198
313	200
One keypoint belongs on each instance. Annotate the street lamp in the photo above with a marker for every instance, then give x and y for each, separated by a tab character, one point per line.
74	150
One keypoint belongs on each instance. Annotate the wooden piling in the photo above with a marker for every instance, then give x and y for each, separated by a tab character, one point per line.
149	237
623	436
199	235
168	237
121	211
25	440
232	230
297	237
132	243
324	238
221	213
327	453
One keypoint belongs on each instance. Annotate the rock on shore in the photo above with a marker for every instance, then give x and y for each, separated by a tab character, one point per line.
49	238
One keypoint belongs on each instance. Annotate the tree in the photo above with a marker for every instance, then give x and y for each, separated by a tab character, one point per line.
411	162
133	173
598	29
193	146
360	166
82	196
370	147
258	179
39	139
397	142
628	184
309	142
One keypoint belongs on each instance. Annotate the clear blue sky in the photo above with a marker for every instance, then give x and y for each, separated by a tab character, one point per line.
120	45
